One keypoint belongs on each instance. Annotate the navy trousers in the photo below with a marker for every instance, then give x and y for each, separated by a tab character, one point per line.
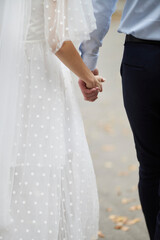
140	71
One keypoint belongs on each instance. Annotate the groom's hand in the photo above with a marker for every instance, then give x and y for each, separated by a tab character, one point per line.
95	72
89	94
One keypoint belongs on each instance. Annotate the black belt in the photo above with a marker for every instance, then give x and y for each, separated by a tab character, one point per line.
130	38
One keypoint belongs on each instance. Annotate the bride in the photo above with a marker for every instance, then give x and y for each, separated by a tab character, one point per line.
47	182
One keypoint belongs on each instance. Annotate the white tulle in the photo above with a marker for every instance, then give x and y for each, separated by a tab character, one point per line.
11	36
68	20
47	182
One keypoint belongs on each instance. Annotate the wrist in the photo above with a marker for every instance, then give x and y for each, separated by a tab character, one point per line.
89	78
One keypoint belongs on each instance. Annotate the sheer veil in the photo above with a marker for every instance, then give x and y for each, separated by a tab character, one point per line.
15	16
1	13
11	45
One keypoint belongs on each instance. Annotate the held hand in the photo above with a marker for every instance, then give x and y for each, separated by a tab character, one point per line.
96	82
89	94
95	71
90	91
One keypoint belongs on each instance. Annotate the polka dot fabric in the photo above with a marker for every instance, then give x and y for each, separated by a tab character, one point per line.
68	20
52	181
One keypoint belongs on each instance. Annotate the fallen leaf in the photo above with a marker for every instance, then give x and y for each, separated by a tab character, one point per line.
133	221
118	219
134	188
117	16
101	235
126	200
133	168
121	227
118	190
108	148
108	128
135	207
118	226
121	219
108	164
123	173
126	132
124	228
109	209
119	193
112	217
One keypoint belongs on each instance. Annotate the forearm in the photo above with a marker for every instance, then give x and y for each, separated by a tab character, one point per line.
71	58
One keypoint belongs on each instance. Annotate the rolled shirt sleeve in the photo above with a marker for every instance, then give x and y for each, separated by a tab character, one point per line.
103	10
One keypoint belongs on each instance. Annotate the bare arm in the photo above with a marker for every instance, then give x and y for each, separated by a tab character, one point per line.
58	32
71	58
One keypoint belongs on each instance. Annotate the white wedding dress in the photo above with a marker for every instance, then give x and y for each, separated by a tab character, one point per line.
52	191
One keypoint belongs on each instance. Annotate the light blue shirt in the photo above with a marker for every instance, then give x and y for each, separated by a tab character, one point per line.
141	18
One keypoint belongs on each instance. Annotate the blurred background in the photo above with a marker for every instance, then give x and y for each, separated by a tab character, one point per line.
112	148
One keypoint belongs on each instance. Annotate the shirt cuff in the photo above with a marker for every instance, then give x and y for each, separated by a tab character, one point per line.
90	61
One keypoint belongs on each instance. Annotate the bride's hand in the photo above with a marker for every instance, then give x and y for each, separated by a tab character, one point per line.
96	82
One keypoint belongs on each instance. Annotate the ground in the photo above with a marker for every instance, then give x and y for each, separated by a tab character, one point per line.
112	147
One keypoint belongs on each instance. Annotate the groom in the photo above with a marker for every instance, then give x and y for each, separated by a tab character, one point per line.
140	71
